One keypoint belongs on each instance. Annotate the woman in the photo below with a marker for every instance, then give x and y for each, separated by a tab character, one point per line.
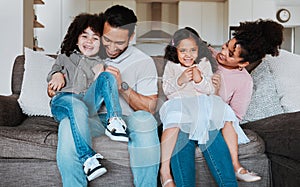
250	43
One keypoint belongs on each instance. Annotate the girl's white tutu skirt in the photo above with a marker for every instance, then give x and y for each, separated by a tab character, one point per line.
198	115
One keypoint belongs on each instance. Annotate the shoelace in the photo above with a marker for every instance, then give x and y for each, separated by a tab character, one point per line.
121	122
93	161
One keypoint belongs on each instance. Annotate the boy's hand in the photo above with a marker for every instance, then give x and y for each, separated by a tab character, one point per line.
50	92
56	83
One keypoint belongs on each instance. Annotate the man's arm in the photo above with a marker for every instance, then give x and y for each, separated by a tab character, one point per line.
138	101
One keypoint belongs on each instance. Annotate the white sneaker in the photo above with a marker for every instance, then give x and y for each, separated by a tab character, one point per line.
93	168
116	129
246	177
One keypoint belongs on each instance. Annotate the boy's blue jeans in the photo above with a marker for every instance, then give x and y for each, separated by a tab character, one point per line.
79	107
143	147
217	157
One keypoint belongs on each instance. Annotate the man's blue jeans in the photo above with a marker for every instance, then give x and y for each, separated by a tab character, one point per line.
216	154
79	107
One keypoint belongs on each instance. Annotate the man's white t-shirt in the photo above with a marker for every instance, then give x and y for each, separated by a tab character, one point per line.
138	70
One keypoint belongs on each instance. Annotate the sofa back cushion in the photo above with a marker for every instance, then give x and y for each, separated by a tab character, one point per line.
17	74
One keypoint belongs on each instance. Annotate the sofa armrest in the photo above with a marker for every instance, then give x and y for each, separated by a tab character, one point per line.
281	134
10	111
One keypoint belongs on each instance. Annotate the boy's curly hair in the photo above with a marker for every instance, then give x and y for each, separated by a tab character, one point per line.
77	27
258	39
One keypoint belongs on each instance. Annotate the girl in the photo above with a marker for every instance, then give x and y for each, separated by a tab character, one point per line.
79	86
187	83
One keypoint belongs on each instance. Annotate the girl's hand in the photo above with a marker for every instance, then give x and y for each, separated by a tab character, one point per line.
197	75
57	82
216	81
185	77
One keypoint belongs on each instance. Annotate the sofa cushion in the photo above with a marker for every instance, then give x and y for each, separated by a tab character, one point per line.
36	137
285	69
34	99
280	133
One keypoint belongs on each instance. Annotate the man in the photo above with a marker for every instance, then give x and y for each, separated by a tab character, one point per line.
136	77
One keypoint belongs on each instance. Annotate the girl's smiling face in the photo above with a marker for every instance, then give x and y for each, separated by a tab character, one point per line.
187	51
89	42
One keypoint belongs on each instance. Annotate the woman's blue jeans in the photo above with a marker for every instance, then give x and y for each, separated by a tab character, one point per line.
216	154
79	107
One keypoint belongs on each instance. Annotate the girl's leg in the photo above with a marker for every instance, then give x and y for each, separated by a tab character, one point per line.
71	106
218	159
168	141
231	139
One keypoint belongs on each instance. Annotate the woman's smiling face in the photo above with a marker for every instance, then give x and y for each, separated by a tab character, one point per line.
229	57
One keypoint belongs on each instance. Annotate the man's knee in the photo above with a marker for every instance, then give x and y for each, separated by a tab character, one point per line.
142	121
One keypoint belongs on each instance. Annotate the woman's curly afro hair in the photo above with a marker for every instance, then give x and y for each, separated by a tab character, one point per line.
258	39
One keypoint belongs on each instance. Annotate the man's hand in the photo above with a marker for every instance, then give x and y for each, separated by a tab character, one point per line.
116	72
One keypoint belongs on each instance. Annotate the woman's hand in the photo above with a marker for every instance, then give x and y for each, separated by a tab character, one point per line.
216	81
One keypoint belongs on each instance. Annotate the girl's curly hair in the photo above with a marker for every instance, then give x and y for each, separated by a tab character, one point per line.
185	33
258	39
77	27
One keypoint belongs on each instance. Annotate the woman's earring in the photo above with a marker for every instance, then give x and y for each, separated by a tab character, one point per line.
240	68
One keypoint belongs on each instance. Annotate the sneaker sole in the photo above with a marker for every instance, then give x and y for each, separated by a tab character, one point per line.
116	138
96	174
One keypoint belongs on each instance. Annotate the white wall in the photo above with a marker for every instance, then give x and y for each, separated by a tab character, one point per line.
11	37
56	15
205	17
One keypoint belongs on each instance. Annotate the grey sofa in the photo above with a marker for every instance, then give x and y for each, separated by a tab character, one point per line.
28	148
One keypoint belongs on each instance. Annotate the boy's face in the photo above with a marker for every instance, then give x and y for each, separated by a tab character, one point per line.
115	40
187	51
89	42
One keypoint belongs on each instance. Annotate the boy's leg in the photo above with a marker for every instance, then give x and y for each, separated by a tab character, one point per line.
104	89
144	148
68	162
67	105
